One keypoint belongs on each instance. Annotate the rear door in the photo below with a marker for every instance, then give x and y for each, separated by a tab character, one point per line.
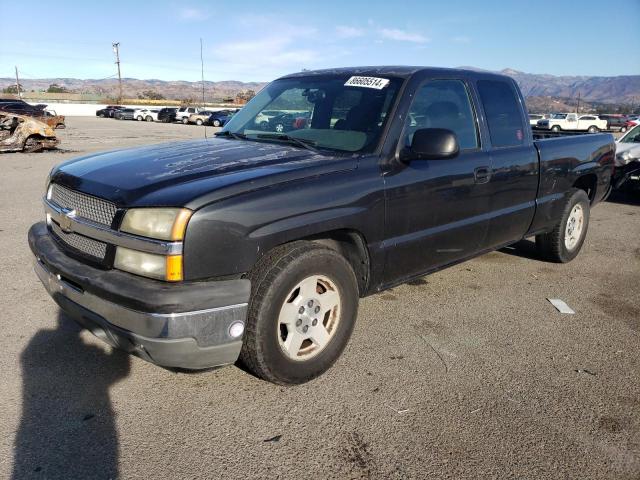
514	161
437	209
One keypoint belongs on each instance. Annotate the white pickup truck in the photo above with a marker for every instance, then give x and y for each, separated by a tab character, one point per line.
571	121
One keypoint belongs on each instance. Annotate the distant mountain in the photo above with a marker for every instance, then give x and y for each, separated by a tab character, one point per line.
131	87
620	89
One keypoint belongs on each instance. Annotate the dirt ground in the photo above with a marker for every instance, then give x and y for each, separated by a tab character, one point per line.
467	373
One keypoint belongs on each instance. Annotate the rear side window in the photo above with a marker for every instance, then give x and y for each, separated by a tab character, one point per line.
502	111
443	104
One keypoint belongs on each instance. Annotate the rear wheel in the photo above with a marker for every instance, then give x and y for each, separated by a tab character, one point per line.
623	129
216	123
198	122
149	118
139	118
556	128
185	120
303	307
593	129
564	242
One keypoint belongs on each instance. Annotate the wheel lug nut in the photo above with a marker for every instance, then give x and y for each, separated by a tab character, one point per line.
298	322
310	304
301	310
305	328
317	309
315	322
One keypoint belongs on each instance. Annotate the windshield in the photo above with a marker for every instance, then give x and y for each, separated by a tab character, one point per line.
558	116
633	136
338	112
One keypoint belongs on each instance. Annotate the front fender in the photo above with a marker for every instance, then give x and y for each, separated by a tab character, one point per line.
228	237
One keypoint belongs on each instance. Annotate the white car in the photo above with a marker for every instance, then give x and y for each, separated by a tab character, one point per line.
534	117
628	158
571	121
183	113
147	114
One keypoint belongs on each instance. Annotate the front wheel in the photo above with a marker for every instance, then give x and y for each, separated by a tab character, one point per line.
303	307
216	123
185	120
199	122
593	129
564	242
623	129
556	128
139	118
149	118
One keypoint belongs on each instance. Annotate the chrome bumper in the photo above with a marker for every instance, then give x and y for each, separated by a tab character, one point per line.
191	340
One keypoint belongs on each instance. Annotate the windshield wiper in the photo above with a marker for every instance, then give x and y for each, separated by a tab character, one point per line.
302	142
227	133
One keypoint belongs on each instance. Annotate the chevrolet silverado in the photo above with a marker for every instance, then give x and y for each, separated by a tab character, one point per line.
255	245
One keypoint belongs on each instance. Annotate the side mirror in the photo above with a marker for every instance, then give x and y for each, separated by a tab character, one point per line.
432	144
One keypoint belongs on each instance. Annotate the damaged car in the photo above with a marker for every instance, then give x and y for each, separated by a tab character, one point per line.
22	133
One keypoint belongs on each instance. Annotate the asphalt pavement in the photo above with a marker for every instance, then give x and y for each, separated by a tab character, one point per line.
466	373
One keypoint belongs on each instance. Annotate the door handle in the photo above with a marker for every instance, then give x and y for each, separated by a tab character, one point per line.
482	174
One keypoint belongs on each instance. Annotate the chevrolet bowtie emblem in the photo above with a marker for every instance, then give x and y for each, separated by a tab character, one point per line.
66	219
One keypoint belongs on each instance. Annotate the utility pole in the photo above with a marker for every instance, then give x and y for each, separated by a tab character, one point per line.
18	83
578	105
116	50
202	72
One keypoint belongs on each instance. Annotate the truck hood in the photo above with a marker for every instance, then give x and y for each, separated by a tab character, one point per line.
192	173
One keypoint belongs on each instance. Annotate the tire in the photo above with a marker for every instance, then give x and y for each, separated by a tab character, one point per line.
101	115
275	296
623	129
149	118
593	129
199	122
280	127
264	126
216	123
185	120
555	246
139	118
556	128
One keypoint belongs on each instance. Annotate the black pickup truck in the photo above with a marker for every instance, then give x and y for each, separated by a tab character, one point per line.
256	245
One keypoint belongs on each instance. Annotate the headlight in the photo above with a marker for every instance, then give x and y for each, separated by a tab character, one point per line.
158	223
149	265
624	157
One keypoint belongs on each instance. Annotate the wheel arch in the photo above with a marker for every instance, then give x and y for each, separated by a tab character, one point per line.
589	183
352	245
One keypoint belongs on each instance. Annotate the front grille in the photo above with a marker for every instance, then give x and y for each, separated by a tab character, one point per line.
86	206
85	245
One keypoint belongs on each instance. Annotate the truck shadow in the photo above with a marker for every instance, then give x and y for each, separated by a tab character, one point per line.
523	248
67	429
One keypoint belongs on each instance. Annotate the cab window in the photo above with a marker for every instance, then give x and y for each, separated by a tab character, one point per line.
502	111
443	104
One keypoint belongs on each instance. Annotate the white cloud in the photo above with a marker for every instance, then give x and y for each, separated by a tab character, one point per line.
403	35
461	39
193	14
343	31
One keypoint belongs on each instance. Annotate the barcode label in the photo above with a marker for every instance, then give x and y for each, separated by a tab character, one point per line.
367	82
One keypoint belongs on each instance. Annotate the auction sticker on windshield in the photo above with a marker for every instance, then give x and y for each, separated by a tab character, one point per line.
367	82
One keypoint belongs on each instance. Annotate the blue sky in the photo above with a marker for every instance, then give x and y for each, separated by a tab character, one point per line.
255	40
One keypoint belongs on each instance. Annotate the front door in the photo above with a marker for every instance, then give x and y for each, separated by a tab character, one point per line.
437	210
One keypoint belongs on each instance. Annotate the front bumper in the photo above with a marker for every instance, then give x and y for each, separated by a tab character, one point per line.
182	325
628	175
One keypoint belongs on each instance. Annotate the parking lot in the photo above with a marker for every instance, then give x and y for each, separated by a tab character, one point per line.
469	372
